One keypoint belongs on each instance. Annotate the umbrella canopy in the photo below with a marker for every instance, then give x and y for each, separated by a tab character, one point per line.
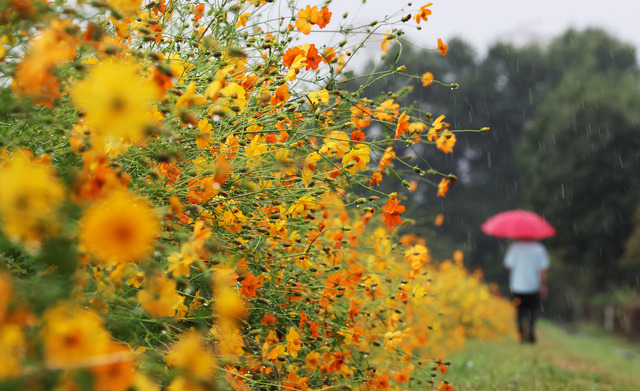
518	224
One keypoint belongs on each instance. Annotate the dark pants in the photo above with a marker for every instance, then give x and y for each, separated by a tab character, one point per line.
528	305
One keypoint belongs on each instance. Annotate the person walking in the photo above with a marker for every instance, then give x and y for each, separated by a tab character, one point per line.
527	262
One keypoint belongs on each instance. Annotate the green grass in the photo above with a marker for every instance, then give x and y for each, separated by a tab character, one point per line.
584	360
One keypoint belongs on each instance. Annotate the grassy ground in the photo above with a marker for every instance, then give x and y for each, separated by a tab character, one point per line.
583	360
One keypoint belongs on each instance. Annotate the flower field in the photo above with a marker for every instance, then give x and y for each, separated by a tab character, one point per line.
189	201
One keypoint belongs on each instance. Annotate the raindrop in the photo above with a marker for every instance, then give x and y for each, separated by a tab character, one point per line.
562	190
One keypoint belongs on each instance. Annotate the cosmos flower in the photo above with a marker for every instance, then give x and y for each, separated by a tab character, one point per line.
115	100
121	228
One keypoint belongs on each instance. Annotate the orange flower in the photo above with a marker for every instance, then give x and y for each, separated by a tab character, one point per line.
387	157
313	58
294	344
198	11
159	298
305	19
357	135
249	285
392	209
360	116
72	334
442	47
446	141
309	16
444	386
403	124
322	18
443	187
191	355
119	373
427	79
439	220
387	110
122	228
376	178
290	55
280	95
386	41
423	13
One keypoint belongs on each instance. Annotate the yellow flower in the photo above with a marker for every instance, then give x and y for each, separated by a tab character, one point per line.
357	159
182	384
386	41
319	96
30	196
115	100
180	263
204	139
231	99
309	165
242	19
256	148
71	335
121	228
293	342
190	355
159	297
178	67
189	98
336	144
13	350
125	5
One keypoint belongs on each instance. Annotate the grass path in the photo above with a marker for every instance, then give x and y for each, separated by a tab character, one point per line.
585	360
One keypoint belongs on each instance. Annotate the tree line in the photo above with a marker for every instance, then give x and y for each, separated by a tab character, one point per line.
563	141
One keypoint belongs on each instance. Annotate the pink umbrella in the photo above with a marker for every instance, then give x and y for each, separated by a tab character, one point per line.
518	224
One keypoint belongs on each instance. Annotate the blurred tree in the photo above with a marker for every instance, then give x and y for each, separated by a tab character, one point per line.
580	159
578	92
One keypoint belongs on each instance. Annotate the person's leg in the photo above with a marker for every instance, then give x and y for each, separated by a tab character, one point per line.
521	315
534	305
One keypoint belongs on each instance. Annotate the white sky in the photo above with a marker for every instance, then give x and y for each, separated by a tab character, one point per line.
484	22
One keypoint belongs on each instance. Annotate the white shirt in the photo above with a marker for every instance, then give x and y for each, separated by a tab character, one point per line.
525	259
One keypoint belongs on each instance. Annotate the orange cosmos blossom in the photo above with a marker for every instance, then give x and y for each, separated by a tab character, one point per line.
386	41
387	110
423	13
376	178
446	141
309	16
122	228
386	159
198	12
72	334
360	116
280	95
442	47
444	186
444	386
392	211
403	124
427	79
191	355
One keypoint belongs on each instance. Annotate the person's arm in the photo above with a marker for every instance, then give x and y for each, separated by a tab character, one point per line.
543	283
